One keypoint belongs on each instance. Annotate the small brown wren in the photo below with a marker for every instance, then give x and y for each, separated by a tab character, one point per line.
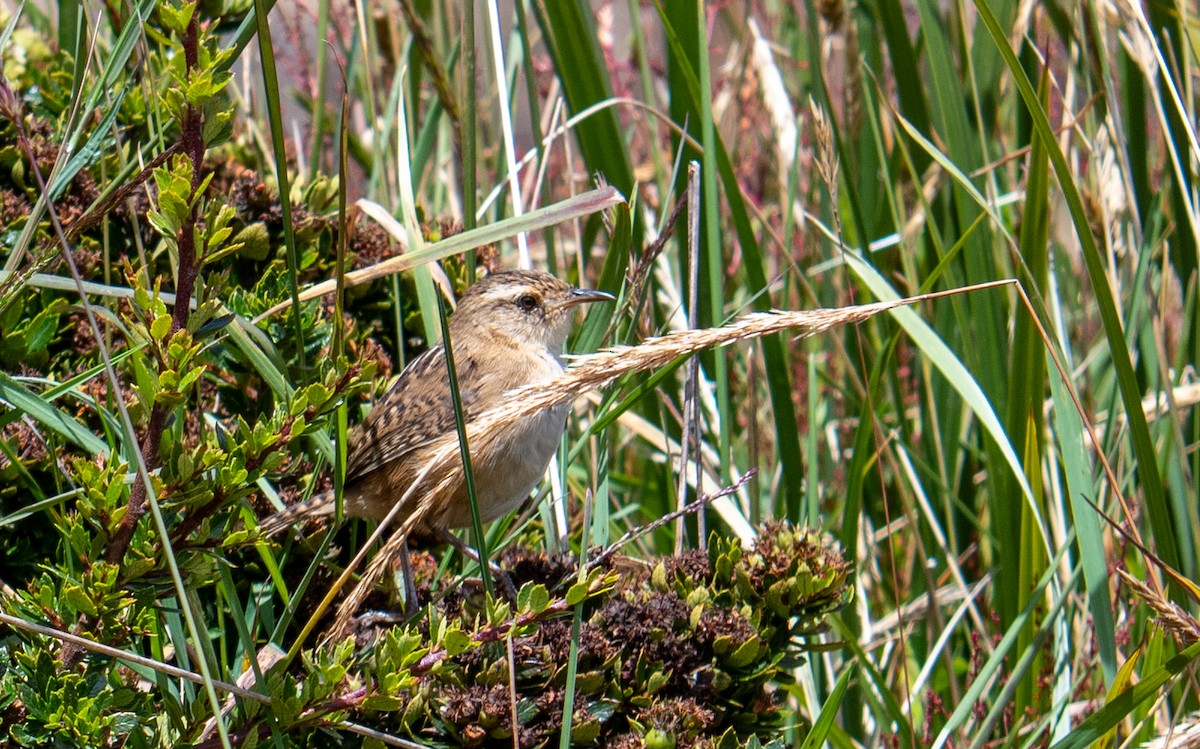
508	331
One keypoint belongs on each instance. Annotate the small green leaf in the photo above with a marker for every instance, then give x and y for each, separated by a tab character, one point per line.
42	328
533	598
746	654
160	327
382	702
585	732
214	325
577	594
255	241
657	681
656	738
316	394
176	19
113	494
79	600
658	578
456	641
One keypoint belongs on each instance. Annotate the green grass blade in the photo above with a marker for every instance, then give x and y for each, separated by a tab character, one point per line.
1119	346
470	168
616	262
778	366
40	410
1023	419
829	711
1070	436
274	113
318	104
116	65
96	143
956	374
888	707
1149	686
570	36
1004	650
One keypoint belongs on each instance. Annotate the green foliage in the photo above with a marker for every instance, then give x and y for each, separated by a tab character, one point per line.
110	580
26	335
66	708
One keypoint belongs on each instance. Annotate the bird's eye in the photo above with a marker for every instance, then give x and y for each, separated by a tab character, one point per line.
527	302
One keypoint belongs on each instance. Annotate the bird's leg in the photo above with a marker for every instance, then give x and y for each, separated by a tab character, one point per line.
501	575
410	585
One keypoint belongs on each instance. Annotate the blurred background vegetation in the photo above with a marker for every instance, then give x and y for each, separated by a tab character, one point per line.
1005	478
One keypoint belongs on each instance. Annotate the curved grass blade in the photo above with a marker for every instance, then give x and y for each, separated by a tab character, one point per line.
829	711
576	207
959	377
1147	468
1096	725
40	410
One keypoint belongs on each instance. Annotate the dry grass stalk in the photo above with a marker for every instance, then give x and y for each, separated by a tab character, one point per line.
587	373
551	215
1184	734
1170	616
776	99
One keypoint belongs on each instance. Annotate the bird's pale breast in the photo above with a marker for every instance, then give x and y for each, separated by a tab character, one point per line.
505	476
505	472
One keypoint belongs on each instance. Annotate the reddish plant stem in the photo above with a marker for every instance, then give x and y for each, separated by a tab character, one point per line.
193	146
192	143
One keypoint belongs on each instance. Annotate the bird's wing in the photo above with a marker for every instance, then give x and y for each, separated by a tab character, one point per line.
416	410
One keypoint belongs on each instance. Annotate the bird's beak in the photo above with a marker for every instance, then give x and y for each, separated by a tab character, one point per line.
587	296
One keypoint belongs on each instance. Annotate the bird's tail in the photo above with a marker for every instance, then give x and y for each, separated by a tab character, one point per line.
319	505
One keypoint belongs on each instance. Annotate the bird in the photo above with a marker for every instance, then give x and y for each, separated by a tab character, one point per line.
509	330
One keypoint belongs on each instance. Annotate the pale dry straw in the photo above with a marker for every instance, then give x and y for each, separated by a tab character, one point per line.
776	99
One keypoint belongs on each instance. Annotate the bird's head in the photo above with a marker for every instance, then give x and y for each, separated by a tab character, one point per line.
530	307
